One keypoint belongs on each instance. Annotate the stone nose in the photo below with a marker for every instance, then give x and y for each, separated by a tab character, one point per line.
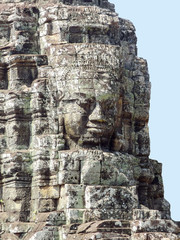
97	114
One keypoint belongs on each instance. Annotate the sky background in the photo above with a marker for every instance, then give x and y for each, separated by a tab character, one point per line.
157	26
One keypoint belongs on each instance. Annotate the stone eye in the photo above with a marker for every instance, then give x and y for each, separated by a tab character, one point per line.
83	103
86	104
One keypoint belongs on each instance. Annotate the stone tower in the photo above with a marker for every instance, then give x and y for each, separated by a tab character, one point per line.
74	109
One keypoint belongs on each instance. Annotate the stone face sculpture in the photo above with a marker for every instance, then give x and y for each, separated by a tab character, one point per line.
74	104
91	105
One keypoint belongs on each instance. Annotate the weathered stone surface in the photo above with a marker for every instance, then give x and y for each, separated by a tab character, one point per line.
74	139
154	236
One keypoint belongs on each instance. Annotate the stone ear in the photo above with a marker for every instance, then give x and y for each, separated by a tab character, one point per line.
117	142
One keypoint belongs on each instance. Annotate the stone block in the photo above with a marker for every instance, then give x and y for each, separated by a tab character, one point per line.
74	216
18	134
47	142
154	236
68	177
13	205
46	234
146	214
141	112
9	217
3	76
16	193
76	38
47	205
17	106
21	73
142	90
34	208
158	225
40	126
41	167
90	172
72	196
104	214
120	169
122	198
3	140
17	164
19	227
45	192
4	33
56	219
11	236
142	144
74	140
68	162
35	192
45	29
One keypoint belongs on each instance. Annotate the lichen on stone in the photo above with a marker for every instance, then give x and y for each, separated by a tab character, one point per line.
74	138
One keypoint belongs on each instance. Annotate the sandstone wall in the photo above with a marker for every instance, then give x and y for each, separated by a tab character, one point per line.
74	110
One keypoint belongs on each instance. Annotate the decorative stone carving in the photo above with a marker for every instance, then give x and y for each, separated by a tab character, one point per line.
74	109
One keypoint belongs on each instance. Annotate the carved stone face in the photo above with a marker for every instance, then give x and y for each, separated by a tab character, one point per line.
91	108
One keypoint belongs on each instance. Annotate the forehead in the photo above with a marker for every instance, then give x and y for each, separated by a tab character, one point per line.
88	83
94	71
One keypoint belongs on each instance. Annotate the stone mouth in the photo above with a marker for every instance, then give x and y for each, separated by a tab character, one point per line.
98	129
95	129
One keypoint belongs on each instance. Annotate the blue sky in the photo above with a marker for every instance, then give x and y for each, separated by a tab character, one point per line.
158	32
